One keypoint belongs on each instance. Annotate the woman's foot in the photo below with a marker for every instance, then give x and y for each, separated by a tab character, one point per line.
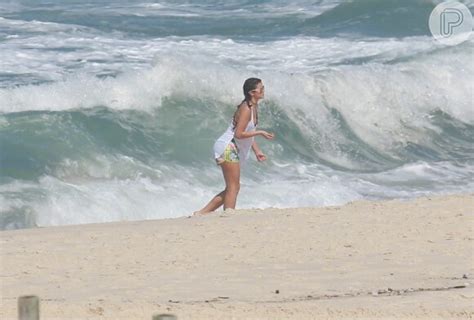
199	213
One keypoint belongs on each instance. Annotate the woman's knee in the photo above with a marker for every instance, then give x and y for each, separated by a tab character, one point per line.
233	187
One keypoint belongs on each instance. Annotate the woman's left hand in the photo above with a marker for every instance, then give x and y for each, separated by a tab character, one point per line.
260	157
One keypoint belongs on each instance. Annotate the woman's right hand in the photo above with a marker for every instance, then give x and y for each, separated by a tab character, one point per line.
266	135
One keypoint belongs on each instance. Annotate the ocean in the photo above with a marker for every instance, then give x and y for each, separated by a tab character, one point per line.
109	109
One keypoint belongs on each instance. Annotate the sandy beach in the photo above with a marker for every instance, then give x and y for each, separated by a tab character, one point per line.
380	260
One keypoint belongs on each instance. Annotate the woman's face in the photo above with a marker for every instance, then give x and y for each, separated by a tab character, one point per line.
259	91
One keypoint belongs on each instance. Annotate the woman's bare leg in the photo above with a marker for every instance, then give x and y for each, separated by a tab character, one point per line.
231	172
228	197
213	205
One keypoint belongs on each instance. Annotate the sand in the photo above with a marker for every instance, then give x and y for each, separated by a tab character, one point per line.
365	260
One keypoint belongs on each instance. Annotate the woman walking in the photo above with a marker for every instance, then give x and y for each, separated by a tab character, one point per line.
232	149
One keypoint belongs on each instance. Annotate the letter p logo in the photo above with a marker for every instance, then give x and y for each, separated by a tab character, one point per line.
451	22
450	19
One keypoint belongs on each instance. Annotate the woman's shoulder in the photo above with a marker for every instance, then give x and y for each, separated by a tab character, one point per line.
244	107
243	110
244	103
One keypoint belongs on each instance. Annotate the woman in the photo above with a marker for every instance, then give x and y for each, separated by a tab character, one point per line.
231	150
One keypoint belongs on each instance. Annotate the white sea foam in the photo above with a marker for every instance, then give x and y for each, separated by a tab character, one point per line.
386	105
72	200
52	51
383	102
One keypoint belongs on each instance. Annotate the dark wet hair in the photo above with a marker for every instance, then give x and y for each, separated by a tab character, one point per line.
249	85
